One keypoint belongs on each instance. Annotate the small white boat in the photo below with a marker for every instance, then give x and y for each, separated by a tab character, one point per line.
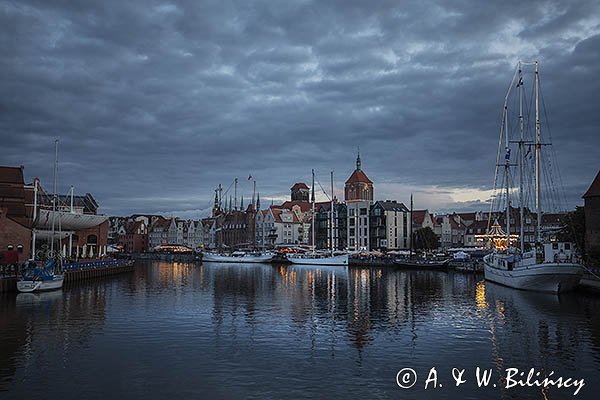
318	259
28	286
38	279
238	257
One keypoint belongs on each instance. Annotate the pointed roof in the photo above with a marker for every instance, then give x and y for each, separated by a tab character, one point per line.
594	189
358	176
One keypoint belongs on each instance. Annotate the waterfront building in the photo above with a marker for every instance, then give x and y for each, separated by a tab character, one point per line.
303	211
132	236
323	225
209	236
450	229
15	212
476	228
358	194
158	233
422	219
278	226
592	220
236	228
389	224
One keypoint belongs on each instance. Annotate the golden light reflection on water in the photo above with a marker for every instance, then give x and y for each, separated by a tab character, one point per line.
480	295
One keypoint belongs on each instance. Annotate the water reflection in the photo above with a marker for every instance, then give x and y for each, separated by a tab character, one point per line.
197	324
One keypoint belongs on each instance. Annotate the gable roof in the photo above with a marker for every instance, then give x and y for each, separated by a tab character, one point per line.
594	189
418	216
304	205
358	176
277	212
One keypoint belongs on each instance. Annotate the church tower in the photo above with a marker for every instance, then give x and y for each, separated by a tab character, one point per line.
358	193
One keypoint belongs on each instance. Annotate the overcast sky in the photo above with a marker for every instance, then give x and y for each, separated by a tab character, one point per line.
155	103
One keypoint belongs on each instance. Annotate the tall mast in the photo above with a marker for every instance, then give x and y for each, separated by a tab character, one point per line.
34	221
235	194
538	146
506	175
331	212
521	162
410	227
313	210
54	196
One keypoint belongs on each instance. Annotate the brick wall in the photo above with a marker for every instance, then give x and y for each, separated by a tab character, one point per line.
16	234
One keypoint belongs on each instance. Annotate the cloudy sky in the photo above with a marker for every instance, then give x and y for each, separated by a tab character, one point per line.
155	103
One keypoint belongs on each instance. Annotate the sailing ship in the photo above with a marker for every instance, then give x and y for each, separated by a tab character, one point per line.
546	267
48	277
321	258
38	279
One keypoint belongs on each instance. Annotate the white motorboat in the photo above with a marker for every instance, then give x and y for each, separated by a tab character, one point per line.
318	259
238	257
550	266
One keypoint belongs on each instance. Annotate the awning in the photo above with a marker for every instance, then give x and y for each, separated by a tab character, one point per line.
68	220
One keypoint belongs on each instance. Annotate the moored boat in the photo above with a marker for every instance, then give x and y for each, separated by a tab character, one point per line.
550	265
318	259
238	257
38	279
422	263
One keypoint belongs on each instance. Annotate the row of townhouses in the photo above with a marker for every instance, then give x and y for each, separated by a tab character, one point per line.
356	223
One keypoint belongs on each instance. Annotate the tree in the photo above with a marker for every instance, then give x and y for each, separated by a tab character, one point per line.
573	229
425	239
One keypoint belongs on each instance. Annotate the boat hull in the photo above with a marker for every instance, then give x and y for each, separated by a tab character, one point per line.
242	259
326	261
429	265
29	286
547	277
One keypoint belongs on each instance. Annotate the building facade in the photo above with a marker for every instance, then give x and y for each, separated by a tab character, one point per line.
389	224
358	194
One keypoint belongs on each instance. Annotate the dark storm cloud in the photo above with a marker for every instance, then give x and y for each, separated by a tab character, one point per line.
155	103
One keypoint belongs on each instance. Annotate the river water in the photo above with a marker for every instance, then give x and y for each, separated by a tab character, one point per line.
218	331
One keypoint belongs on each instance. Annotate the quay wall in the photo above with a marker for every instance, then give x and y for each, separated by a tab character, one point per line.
77	272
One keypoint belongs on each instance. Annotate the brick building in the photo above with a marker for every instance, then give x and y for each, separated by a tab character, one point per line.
15	213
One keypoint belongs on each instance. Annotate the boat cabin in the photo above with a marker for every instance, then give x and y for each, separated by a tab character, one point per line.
559	252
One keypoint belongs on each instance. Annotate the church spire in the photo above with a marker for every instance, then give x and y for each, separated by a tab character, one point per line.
358	163
258	200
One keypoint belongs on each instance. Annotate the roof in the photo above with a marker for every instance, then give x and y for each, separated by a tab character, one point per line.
483	225
469	216
277	215
358	176
305	206
11	175
594	189
299	185
392	205
418	216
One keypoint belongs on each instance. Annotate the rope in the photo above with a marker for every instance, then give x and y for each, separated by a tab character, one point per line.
590	272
